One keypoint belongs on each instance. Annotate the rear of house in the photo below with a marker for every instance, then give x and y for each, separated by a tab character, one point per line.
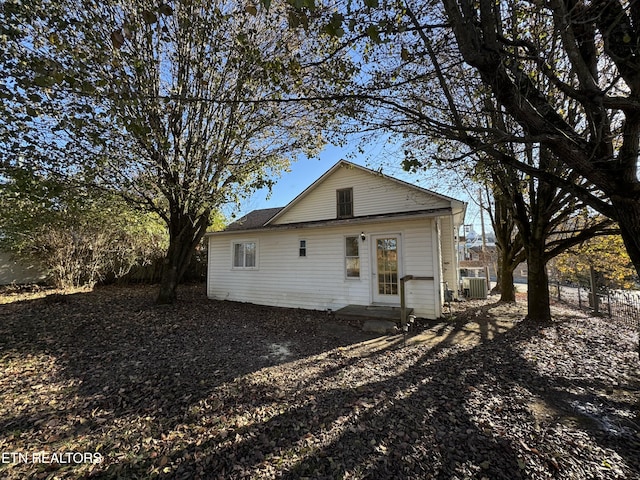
348	239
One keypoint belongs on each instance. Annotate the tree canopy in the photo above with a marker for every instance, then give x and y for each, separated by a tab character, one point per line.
565	73
465	79
79	236
568	74
606	254
180	107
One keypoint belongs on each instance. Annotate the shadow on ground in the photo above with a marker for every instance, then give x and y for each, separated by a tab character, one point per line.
208	389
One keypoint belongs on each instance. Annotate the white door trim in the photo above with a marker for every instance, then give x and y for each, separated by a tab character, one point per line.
391	283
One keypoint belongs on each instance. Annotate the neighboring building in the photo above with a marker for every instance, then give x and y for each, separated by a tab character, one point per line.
17	272
348	239
473	261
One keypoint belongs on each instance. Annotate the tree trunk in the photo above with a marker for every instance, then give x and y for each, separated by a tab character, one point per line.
507	290
504	282
629	222
184	236
628	217
509	247
497	288
168	283
175	263
538	308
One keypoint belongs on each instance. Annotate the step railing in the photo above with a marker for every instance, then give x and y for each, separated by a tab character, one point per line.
403	302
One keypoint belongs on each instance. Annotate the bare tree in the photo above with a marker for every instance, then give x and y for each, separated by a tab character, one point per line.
417	87
501	79
589	57
508	244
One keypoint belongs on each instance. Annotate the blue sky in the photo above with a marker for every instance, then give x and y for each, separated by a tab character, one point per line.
305	171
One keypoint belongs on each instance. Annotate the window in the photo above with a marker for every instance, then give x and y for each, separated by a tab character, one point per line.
352	257
345	202
244	255
303	248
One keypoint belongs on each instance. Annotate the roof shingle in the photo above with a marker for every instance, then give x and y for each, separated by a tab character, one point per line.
254	219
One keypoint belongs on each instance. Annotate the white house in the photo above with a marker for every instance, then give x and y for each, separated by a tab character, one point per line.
347	239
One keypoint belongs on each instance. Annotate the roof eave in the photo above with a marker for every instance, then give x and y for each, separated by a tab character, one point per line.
378	218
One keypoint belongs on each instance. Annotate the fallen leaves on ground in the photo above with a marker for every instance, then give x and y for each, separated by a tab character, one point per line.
209	389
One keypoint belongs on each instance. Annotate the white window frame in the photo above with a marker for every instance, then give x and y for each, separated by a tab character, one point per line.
302	248
244	255
347	257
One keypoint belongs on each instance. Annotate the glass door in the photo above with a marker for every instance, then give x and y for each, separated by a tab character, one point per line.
386	270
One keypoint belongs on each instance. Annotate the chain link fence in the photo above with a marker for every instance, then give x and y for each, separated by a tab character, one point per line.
622	305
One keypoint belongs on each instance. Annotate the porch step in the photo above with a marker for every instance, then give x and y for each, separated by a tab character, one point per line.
370	312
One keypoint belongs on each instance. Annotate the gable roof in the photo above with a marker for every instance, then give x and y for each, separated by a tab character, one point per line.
268	217
345	163
253	219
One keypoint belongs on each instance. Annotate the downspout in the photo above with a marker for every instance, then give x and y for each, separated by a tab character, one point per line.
437	267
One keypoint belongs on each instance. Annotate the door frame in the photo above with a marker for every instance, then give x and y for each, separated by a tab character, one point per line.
381	299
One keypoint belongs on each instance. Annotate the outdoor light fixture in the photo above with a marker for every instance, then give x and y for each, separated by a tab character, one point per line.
362	236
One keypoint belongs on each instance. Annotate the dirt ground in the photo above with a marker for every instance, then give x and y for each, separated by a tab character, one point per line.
105	384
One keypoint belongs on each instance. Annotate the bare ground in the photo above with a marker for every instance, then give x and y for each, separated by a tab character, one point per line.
208	389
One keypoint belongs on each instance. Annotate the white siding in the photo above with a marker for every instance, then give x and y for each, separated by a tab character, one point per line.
318	281
283	278
418	261
373	194
437	262
449	254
